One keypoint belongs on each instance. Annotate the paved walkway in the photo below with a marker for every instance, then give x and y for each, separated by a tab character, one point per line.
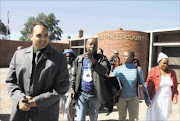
6	105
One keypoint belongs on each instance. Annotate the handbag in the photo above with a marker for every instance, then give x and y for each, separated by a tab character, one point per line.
140	89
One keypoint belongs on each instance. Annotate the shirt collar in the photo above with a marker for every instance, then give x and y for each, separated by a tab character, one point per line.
42	50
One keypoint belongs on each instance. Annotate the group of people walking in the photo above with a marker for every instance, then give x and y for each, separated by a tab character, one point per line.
40	80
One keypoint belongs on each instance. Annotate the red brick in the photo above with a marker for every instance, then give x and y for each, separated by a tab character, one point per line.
112	40
8	47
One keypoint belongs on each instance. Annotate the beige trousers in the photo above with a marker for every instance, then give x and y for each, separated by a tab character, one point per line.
130	104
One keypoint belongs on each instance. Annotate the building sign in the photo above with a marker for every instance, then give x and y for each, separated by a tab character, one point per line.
121	37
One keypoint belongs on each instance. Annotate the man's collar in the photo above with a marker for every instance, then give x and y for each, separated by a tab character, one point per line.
42	50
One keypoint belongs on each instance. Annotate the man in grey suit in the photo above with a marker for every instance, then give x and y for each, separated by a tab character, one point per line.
37	78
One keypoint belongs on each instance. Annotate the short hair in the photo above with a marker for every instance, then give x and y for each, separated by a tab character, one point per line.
101	50
131	53
38	23
92	39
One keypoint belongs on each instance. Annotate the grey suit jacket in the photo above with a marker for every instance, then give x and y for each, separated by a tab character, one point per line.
50	82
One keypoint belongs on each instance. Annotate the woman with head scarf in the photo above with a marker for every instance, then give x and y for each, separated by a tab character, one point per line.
66	101
162	87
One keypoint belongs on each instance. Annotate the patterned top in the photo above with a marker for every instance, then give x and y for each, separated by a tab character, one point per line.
127	74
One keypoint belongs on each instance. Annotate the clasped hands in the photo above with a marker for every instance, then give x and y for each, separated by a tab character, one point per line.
26	103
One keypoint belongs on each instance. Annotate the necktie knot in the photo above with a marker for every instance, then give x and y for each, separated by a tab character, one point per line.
38	54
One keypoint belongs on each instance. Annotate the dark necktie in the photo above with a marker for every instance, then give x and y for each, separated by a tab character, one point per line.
38	54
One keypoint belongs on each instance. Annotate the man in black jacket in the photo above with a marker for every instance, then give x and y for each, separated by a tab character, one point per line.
114	60
88	81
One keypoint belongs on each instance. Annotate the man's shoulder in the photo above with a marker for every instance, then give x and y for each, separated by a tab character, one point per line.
113	56
57	52
103	56
53	51
23	51
79	58
99	56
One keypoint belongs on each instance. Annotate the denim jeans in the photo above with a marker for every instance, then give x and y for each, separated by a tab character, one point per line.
85	103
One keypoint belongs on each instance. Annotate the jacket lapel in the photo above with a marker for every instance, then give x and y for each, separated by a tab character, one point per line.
29	53
158	76
28	61
169	71
171	76
46	53
80	63
78	72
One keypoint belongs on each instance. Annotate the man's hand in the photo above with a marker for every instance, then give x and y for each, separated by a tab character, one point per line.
90	56
117	93
148	105
175	100
72	93
23	105
32	102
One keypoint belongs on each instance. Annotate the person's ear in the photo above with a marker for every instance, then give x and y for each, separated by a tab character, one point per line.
31	37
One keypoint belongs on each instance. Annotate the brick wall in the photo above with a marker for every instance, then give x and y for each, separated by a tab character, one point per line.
8	47
124	40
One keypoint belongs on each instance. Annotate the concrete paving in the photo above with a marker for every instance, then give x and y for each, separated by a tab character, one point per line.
6	105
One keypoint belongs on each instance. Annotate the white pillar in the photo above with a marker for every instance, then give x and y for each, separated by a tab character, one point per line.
150	51
84	45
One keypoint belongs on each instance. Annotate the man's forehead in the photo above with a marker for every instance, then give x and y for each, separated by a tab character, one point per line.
126	53
68	53
39	28
92	40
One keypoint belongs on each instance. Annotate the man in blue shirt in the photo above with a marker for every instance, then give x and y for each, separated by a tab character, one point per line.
128	100
88	80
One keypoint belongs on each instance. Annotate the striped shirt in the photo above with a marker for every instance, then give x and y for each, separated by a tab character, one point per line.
127	74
